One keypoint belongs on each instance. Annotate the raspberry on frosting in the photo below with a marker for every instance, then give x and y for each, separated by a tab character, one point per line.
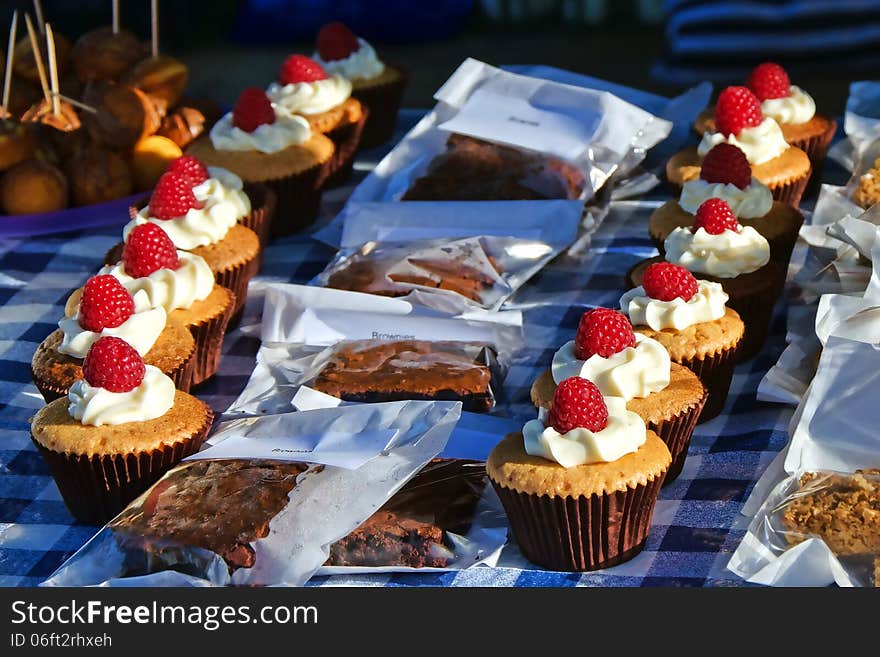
715	216
299	68
769	80
173	197
737	108
113	364
726	164
578	404
666	281
252	109
191	168
335	41
148	249
105	303
603	332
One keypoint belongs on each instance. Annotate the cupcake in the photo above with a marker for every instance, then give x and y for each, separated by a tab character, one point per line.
378	85
691	320
277	149
791	107
183	284
726	174
717	248
304	89
106	308
119	429
200	211
667	396
785	169
579	483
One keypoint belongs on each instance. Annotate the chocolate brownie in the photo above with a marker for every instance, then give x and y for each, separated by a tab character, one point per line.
412	528
459	267
370	371
472	169
842	509
221	506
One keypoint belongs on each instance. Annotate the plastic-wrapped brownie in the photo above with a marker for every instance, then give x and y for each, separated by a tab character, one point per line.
473	169
261	505
376	371
444	517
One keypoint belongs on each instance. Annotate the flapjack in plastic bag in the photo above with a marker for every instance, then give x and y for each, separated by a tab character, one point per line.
263	504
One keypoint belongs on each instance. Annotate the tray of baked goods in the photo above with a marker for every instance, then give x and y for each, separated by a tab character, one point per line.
88	124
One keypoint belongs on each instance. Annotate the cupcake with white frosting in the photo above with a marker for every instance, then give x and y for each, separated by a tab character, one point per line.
119	429
690	318
717	248
635	368
580	482
739	120
377	84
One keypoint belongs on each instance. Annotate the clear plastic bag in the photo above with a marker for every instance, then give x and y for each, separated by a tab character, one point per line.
447	517
264	502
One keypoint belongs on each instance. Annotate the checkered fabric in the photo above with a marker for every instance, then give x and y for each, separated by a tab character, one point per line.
696	522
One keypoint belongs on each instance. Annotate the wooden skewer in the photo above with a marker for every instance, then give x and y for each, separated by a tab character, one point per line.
76	103
41	22
10	53
115	16
154	22
38	57
53	69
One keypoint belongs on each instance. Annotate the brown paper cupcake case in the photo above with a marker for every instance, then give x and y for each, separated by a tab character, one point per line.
209	343
676	433
715	372
790	193
263	201
181	375
298	199
384	103
816	148
236	279
346	138
96	488
581	533
755	312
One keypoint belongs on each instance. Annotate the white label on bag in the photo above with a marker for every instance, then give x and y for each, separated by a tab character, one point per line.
344	450
560	131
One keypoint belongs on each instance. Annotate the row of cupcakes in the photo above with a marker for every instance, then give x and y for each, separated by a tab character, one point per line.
773	122
300	135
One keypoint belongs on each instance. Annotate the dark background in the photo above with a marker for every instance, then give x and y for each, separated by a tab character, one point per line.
233	43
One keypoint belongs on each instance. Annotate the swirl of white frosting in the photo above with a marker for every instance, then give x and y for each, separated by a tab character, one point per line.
170	289
726	255
310	97
362	64
141	330
760	144
706	305
633	372
750	203
624	434
796	108
287	131
98	406
221	209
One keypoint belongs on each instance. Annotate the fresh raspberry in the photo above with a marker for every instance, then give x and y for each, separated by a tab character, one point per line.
666	281
252	109
336	41
737	108
715	216
113	364
769	80
105	303
299	68
603	331
726	163
173	197
147	249
578	403
191	168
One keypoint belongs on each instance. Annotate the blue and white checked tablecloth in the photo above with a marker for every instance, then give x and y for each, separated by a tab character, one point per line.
696	525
